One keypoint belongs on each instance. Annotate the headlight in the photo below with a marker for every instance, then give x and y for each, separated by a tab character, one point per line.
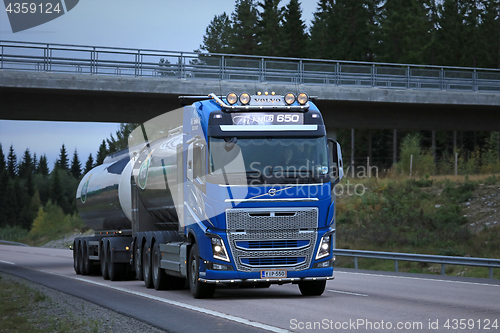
302	98
231	98
324	247
289	98
219	249
245	98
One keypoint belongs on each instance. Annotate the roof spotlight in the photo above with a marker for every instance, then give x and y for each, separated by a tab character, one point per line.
231	98
302	98
289	98
245	98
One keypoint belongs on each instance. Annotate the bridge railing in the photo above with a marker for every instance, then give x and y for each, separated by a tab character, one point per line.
80	59
443	260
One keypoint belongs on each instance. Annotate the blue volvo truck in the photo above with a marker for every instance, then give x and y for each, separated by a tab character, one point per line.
235	190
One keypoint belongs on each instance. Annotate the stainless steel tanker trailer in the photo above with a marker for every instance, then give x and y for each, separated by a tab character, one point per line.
226	191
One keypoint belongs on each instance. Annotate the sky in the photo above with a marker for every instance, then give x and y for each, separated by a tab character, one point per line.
140	24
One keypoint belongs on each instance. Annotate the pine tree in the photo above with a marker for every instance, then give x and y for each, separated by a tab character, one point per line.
12	163
43	167
217	34
76	166
295	37
34	165
63	162
244	39
101	153
269	30
56	191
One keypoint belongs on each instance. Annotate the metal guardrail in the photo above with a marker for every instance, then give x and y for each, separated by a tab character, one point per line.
443	260
80	59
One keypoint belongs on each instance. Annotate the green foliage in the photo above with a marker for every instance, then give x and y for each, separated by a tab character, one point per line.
76	166
121	141
217	35
13	233
101	153
411	155
51	221
89	164
62	162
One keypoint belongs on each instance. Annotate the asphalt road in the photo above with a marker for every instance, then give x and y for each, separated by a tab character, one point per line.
355	301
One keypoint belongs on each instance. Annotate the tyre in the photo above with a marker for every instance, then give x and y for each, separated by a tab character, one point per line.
76	265
198	288
103	261
87	264
160	278
81	258
115	270
137	260
146	267
312	288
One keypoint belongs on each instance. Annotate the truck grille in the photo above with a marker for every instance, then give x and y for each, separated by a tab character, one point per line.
277	237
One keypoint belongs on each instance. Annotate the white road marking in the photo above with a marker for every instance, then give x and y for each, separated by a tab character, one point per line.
345	292
7	262
168	301
423	279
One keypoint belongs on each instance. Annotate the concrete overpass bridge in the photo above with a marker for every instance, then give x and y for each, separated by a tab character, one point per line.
101	84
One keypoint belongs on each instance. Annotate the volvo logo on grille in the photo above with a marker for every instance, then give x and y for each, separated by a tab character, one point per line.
272	192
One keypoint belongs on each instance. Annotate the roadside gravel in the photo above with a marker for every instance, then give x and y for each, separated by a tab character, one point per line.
88	316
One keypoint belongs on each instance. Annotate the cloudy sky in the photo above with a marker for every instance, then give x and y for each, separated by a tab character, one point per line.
145	24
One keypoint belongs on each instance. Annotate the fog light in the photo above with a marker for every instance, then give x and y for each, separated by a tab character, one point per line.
245	98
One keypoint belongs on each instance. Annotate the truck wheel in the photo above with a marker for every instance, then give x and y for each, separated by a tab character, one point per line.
115	270
160	278
312	288
76	266
198	288
138	261
81	259
87	265
146	267
104	262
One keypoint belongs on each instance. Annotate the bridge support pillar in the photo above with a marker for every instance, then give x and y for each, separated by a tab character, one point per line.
395	147
434	145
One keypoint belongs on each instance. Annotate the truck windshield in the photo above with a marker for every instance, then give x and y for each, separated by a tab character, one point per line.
271	159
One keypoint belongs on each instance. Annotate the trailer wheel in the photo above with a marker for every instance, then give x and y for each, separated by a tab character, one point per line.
104	262
76	265
160	278
81	259
115	270
198	288
137	260
146	267
312	288
87	264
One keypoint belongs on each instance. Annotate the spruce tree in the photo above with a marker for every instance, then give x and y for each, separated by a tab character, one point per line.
2	160
324	31
269	30
295	37
121	141
12	163
490	35
244	39
63	162
89	164
76	166
43	167
25	167
450	37
217	34
101	153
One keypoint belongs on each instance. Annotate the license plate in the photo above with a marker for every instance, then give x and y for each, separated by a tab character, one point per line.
273	274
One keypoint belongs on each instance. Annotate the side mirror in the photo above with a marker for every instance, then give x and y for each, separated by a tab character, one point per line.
336	165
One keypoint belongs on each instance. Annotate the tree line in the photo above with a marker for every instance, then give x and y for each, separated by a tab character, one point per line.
30	189
462	33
